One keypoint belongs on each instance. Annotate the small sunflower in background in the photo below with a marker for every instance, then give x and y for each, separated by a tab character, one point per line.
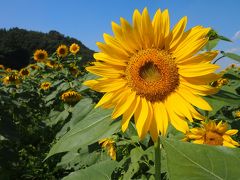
220	82
74	48
70	97
62	51
11	79
237	114
40	55
50	63
8	70
45	86
2	67
74	70
33	66
212	134
24	72
109	145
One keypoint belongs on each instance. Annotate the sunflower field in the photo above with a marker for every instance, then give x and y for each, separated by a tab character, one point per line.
152	105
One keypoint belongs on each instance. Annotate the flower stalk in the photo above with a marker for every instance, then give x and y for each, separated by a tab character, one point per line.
157	151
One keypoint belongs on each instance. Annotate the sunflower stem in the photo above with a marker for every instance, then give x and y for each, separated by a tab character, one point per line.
157	159
218	59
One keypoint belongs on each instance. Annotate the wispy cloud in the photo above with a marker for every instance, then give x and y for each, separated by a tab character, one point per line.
234	49
236	36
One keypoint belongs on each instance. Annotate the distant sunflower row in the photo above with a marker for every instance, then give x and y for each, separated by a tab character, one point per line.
62	51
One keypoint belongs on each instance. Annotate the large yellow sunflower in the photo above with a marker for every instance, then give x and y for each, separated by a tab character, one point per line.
212	134
153	73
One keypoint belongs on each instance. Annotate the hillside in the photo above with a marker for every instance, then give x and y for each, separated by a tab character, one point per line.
17	46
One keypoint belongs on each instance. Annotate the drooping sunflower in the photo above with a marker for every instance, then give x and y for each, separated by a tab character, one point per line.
45	86
24	72
153	73
109	145
212	134
70	97
62	51
74	48
40	55
220	82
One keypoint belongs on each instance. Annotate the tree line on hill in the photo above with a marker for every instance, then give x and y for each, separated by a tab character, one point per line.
18	45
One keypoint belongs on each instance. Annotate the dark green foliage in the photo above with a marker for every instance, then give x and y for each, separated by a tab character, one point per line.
17	46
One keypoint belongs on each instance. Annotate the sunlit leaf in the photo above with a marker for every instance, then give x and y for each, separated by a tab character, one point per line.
193	161
93	127
231	56
101	171
224	38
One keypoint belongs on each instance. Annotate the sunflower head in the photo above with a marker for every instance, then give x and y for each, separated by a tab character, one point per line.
40	55
109	145
62	51
45	86
74	48
73	69
237	114
24	72
212	133
33	66
11	79
8	70
2	67
50	64
220	82
71	97
146	67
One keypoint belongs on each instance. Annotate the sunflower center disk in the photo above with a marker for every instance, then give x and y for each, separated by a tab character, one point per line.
213	138
153	74
41	56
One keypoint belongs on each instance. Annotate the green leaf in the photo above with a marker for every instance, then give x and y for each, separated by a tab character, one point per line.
227	97
224	38
192	161
221	99
93	127
60	117
100	171
231	56
80	110
211	44
136	154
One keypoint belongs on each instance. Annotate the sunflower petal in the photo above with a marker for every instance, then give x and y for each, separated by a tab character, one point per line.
124	104
129	113
157	25
176	33
161	117
194	99
147	29
141	115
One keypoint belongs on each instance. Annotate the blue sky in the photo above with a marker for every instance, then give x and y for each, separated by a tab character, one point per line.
87	20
